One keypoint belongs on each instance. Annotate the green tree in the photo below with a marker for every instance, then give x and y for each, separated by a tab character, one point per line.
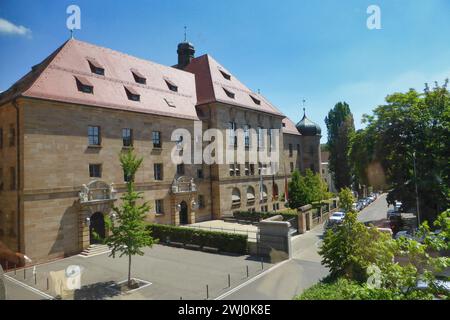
128	229
346	199
340	126
410	128
307	189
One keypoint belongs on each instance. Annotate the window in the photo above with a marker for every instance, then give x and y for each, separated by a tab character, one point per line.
225	75
138	77
260	168
236	197
298	150
260	138
159	206
127	137
250	195
180	169
292	166
290	150
156	138
237	170
232	134
172	86
93	135
201	201
1	138
275	191
12	136
229	93
247	169
158	171
200	173
252	169
179	143
232	170
12	181
96	67
84	85
246	136
132	94
256	101
95	170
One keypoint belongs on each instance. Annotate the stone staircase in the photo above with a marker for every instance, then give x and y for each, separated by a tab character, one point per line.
95	249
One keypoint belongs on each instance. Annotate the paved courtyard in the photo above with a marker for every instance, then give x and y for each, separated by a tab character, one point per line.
173	273
220	225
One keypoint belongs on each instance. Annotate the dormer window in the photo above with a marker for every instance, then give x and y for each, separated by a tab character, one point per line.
225	75
96	67
170	103
256	101
172	86
138	77
132	94
84	85
229	93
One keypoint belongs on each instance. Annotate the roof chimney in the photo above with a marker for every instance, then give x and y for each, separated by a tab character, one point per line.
185	54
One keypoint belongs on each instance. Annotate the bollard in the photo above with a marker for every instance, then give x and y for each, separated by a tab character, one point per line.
24	273
229	281
207	292
35	279
47	284
247	271
15	269
181	298
262	263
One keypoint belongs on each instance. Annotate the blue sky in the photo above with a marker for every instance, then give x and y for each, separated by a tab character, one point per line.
318	50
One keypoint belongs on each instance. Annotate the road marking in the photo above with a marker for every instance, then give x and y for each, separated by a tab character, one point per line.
29	287
226	294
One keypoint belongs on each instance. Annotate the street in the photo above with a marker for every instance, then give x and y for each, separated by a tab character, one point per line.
291	277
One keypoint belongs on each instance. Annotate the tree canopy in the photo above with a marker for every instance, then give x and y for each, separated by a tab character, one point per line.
411	128
340	127
306	189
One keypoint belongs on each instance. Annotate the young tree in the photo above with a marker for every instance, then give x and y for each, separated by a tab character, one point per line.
307	189
340	127
128	229
346	199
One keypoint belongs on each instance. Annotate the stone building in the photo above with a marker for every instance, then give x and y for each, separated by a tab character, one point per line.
63	125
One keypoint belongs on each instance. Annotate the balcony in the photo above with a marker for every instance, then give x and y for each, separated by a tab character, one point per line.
183	184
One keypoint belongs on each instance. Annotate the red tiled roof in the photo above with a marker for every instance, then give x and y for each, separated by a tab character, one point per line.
212	86
54	79
289	127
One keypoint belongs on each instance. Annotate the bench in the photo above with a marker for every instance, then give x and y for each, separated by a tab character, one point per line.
192	246
210	249
175	244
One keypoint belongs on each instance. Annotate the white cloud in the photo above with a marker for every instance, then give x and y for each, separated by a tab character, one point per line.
10	28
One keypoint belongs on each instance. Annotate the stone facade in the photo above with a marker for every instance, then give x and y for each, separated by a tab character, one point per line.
49	202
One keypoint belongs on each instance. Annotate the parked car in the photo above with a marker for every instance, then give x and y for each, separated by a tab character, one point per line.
335	219
393	213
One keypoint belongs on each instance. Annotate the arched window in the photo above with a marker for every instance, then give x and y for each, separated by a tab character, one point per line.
236	197
275	192
264	193
250	195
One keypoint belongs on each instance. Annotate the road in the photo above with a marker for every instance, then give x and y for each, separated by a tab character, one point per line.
293	276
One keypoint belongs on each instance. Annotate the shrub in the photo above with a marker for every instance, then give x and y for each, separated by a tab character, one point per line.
258	216
226	242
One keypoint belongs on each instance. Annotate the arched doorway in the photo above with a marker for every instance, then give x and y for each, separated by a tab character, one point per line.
97	228
183	212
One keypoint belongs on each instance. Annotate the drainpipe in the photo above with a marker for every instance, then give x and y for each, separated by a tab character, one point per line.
18	180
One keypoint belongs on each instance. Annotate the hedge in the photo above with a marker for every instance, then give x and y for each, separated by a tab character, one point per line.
225	242
258	216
